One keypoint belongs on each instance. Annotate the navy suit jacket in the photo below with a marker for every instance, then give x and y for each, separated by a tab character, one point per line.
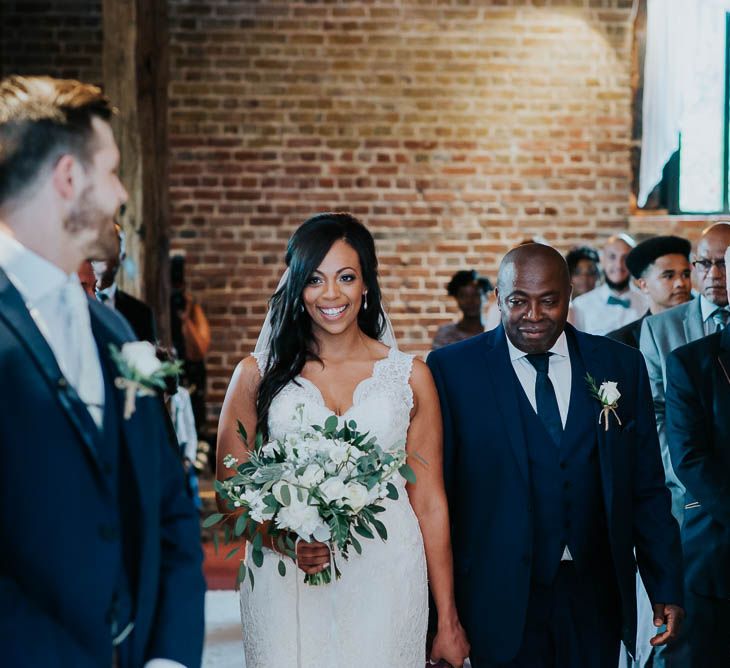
698	436
138	315
57	522
487	478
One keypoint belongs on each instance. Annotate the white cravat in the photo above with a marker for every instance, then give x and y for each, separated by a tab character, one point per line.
60	310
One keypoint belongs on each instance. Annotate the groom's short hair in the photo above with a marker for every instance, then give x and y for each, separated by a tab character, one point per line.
42	119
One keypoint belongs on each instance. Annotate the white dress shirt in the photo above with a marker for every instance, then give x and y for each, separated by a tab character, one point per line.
560	375
708	308
59	307
592	313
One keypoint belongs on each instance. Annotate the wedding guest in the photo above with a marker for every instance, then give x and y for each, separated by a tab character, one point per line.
101	558
86	277
549	493
661	268
584	272
695	319
612	304
698	434
134	311
191	340
469	291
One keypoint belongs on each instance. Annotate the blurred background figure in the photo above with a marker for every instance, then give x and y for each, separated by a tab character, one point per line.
470	291
614	303
134	311
86	277
663	273
584	271
191	340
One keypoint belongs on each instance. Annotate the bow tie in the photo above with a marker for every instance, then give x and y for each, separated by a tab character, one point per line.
616	301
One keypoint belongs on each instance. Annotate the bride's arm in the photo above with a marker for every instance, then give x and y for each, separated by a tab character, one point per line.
240	404
428	498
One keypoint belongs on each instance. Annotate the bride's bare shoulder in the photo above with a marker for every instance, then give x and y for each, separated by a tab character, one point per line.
246	376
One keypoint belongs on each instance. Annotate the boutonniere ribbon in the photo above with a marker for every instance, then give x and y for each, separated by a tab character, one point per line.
608	395
141	373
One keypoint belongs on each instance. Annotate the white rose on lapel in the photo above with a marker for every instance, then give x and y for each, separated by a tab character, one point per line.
141	356
609	392
141	374
608	395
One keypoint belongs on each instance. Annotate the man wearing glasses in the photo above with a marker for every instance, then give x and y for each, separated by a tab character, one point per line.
662	333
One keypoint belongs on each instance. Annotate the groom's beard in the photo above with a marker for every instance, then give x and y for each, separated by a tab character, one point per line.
618	287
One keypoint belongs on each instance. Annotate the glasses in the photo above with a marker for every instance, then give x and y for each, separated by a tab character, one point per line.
706	265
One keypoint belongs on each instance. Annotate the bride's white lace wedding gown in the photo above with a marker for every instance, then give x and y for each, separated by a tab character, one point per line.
376	614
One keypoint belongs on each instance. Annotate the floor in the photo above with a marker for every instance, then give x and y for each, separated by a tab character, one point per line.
223	643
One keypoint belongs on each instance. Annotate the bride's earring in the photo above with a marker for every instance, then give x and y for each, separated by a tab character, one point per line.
301	307
364	301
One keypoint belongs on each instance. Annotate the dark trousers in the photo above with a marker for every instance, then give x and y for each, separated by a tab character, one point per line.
704	640
565	628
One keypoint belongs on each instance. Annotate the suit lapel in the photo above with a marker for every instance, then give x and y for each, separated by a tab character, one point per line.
694	327
18	319
505	386
132	428
595	365
723	357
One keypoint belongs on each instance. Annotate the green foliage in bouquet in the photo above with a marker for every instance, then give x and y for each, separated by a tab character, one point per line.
323	483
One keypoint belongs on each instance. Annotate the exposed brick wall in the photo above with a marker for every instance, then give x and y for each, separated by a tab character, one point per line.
60	38
453	129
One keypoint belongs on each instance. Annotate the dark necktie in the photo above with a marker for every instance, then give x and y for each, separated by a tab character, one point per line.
617	301
103	297
720	318
545	399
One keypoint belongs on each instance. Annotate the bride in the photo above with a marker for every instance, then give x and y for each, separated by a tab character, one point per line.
324	348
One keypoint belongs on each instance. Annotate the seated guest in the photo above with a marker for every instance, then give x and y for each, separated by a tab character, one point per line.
698	434
584	272
613	304
135	312
469	290
662	271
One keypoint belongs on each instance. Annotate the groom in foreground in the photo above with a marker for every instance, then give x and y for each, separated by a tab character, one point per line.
550	493
101	560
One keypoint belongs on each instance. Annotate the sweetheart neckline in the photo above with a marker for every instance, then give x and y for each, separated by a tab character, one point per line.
355	392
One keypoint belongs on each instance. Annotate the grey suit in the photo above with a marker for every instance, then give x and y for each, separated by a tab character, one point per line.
660	335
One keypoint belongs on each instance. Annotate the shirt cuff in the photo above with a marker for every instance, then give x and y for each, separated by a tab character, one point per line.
163	663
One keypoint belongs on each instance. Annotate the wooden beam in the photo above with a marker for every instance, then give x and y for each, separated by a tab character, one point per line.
136	73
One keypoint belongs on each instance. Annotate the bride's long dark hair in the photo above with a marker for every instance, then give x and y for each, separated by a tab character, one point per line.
292	342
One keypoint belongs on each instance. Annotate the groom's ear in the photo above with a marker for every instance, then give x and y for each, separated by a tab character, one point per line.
496	297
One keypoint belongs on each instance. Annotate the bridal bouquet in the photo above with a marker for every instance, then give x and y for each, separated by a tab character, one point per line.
320	483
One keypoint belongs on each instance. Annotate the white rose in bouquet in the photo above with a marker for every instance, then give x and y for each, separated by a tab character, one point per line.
302	519
254	499
338	453
356	496
311	476
333	489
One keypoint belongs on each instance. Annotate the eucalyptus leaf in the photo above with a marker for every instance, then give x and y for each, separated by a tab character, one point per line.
231	553
364	531
250	577
380	528
392	491
215	543
282	568
241	522
212	519
258	557
241	574
285	495
407	472
330	424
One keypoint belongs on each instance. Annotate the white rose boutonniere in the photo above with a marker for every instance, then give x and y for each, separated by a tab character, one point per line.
607	393
141	374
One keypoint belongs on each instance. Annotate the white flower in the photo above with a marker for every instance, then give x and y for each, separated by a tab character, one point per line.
311	476
338	453
301	518
253	498
609	392
141	357
332	489
356	496
229	461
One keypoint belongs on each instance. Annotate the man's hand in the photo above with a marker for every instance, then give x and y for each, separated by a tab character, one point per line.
672	616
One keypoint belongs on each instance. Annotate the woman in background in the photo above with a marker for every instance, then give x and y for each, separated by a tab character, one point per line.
470	291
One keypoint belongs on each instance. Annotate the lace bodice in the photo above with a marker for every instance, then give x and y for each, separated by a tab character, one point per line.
376	614
381	403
